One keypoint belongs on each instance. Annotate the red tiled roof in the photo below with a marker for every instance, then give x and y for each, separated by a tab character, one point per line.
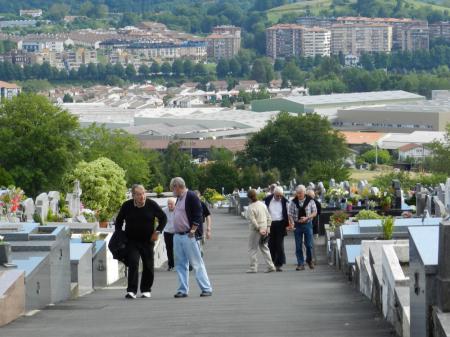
357	138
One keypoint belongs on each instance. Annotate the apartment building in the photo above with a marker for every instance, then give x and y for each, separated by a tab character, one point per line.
356	39
440	30
314	21
39	43
8	90
402	30
224	42
284	40
316	41
66	59
18	57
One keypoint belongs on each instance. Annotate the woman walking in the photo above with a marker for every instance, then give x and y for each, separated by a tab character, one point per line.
259	224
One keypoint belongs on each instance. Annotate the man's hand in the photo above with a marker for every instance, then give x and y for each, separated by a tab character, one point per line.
208	234
263	231
304	219
155	236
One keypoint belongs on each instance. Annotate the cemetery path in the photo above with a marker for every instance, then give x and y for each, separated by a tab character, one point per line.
291	303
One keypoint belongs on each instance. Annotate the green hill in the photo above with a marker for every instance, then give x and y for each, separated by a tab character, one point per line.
410	8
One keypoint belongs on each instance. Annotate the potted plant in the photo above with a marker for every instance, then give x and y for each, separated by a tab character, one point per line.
103	219
385	202
337	219
5	251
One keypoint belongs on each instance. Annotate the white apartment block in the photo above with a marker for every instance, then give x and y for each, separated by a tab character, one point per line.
316	41
402	29
356	39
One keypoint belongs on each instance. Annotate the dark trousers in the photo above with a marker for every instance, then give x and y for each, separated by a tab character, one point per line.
136	251
168	239
276	242
315	222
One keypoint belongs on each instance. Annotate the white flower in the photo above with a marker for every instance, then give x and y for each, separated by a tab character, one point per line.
2	238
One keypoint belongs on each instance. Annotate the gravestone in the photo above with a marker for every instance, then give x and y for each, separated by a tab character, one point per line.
53	198
440	192
346	186
42	205
374	190
311	186
420	202
397	193
332	183
73	199
361	186
447	194
321	189
443	277
29	207
439	208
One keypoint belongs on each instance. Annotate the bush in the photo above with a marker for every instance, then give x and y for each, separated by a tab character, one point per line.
382	156
338	218
387	225
367	214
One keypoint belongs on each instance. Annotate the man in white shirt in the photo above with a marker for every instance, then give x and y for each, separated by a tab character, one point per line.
277	205
169	231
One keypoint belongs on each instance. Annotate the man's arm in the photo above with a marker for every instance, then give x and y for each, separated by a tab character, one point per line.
120	217
161	216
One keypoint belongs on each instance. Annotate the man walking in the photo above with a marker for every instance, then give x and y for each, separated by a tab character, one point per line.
277	205
139	214
302	210
169	231
188	230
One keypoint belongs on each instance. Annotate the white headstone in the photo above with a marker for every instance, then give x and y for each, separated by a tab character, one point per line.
29	209
361	185
332	182
53	197
42	205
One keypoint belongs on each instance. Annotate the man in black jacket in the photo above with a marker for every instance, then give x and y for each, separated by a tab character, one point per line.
277	205
139	215
188	231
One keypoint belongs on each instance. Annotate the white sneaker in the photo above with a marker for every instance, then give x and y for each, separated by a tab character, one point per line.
146	294
130	295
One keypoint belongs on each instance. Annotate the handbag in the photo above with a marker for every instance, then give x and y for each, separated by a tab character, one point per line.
264	239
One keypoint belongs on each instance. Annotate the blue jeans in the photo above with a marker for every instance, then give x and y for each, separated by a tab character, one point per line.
187	251
300	231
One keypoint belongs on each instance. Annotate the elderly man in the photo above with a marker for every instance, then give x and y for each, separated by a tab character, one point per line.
139	214
302	210
277	205
169	231
188	231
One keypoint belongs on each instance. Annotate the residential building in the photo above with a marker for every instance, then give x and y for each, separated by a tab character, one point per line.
416	38
39	43
400	27
71	59
224	42
414	151
356	39
316	41
8	90
18	23
284	40
440	30
18	57
314	21
160	51
34	13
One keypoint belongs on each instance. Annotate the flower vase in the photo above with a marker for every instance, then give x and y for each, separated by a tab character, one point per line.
5	253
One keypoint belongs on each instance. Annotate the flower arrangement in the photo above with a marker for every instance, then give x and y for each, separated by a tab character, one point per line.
10	200
337	193
88	237
338	218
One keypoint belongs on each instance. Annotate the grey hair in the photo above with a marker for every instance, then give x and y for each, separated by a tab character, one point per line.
174	200
278	189
311	193
137	187
177	182
300	188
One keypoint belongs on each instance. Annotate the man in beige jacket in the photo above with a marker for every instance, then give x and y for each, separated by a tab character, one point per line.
259	223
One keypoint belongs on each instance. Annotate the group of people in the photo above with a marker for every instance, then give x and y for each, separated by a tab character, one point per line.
182	225
271	218
185	231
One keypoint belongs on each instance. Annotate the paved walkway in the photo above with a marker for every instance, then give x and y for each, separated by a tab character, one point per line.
307	303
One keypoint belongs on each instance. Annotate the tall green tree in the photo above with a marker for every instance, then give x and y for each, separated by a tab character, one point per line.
440	162
119	146
39	142
279	144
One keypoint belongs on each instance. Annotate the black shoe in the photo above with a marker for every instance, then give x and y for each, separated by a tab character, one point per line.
180	295
206	293
300	267
190	268
170	269
278	269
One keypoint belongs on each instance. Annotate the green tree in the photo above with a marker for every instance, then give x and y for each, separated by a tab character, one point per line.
220	154
325	170
177	67
67	98
155	68
166	68
58	11
103	184
377	155
178	164
130	72
220	174
278	145
119	146
259	72
440	161
144	71
222	68
39	142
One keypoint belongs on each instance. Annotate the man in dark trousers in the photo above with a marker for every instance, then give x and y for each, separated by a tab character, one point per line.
139	214
277	205
188	231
